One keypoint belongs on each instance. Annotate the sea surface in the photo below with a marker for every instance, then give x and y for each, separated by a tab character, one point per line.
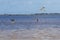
29	22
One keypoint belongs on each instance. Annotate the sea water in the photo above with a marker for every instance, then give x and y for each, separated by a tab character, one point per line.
29	22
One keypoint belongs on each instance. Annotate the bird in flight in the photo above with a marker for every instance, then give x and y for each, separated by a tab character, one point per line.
42	8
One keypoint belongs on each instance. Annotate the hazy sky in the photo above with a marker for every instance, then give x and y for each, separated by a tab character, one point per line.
29	6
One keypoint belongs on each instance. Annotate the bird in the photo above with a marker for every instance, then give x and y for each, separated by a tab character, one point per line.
42	8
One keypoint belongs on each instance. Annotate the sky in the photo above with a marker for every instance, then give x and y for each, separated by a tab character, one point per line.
29	6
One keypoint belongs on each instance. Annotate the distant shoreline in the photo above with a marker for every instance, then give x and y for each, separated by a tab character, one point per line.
29	14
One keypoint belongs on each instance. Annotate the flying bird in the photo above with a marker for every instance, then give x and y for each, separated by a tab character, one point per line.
42	8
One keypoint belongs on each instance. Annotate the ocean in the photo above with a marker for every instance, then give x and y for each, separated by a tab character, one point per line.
29	22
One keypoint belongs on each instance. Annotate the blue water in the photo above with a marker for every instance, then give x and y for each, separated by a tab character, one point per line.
29	22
